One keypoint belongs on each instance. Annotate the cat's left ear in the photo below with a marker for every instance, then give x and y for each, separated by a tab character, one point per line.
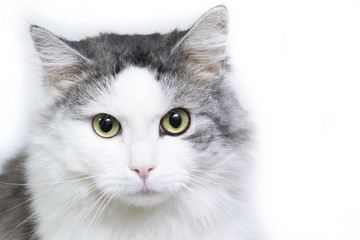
64	65
204	45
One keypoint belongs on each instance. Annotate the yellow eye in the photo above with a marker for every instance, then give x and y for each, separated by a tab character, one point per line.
105	125
175	122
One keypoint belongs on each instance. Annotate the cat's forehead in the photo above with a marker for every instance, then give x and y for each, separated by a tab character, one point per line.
133	93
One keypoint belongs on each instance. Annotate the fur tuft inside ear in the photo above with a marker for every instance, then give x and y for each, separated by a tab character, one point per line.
63	64
205	44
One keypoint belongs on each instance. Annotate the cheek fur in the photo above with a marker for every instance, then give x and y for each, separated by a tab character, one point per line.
107	159
85	152
175	160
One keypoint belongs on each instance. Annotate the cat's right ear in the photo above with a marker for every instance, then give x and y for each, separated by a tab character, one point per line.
63	65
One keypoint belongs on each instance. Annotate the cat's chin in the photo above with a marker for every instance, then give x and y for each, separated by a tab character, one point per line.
145	198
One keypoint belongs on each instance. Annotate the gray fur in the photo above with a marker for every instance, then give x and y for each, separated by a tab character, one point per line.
15	220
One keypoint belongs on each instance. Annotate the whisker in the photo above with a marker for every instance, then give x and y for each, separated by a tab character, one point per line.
87	214
13	229
36	213
192	208
224	217
216	180
50	183
98	213
69	204
211	187
12	208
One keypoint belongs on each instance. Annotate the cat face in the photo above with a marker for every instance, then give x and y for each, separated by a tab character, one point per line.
144	116
120	165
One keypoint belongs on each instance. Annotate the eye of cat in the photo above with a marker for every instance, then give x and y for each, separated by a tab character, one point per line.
175	122
105	125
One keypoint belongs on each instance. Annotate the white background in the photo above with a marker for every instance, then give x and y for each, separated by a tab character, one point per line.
298	73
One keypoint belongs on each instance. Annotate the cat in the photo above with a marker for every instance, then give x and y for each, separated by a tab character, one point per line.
139	137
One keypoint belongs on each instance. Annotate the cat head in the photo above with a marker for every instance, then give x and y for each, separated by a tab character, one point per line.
144	116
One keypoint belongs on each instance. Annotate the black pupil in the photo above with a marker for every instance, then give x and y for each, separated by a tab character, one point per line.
106	123
175	120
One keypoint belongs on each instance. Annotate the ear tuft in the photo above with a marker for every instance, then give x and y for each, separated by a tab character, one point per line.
205	44
63	64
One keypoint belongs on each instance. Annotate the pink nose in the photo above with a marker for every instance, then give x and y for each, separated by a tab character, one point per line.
143	172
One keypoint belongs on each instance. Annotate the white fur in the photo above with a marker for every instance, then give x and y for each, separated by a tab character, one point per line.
83	187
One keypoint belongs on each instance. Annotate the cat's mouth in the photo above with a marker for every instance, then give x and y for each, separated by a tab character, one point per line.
146	192
147	197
